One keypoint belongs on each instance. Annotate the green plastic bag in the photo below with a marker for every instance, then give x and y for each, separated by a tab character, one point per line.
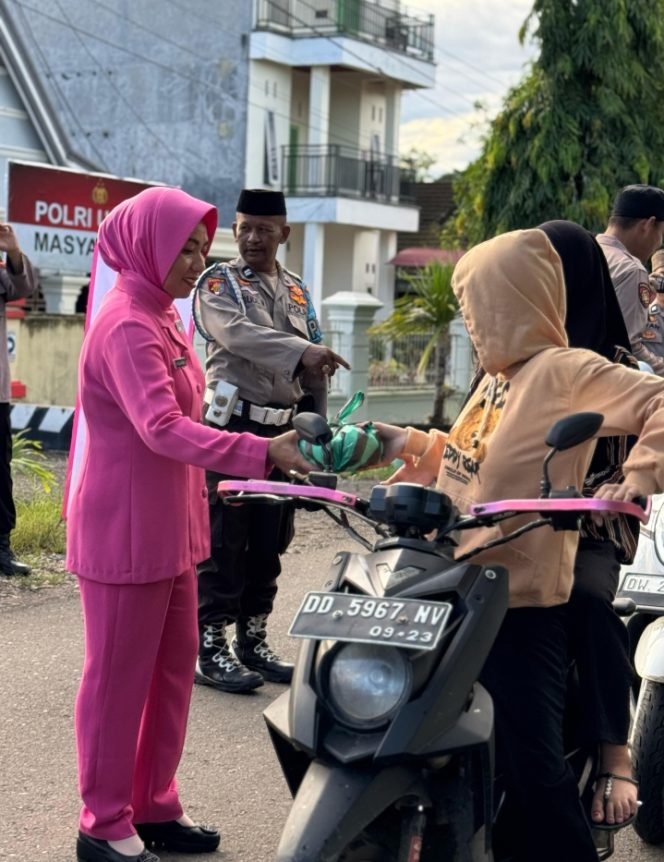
351	447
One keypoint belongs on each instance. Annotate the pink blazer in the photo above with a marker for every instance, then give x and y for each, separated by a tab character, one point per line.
139	512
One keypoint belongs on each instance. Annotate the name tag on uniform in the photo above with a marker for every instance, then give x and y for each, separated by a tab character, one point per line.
179	361
179	326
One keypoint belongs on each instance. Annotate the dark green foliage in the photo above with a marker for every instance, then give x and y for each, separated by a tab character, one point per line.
586	120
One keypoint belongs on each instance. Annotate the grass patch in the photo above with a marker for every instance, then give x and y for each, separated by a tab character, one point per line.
39	540
39	526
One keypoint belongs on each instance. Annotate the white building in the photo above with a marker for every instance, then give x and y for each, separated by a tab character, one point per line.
325	84
302	95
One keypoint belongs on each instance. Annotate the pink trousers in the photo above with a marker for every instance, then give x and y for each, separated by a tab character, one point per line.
141	642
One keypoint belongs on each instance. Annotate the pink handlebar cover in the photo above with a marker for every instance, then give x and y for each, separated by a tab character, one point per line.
283	489
566	504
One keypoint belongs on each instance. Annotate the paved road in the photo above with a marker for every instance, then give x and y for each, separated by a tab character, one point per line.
228	775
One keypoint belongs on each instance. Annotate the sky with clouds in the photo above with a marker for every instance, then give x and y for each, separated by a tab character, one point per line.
478	57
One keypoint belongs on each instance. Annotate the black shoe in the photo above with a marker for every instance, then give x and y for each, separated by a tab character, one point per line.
9	565
90	849
181	839
252	649
218	667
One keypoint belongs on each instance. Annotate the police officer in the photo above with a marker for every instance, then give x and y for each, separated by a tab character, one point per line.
635	231
263	348
653	334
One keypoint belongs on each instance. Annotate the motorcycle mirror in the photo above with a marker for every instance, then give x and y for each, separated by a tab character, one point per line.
567	432
572	430
312	428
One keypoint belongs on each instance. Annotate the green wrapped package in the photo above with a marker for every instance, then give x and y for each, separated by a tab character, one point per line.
351	447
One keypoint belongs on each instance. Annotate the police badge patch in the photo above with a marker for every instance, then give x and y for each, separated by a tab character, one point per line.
296	293
216	286
646	294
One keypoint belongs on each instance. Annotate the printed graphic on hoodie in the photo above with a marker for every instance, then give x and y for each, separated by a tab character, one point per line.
466	446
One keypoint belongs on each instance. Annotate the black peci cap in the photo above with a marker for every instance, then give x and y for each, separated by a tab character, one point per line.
261	202
639	201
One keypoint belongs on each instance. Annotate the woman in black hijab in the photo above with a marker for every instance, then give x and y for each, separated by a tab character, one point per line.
598	638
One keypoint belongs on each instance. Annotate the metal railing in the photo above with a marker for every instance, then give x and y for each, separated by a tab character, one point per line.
393	362
369	22
331	170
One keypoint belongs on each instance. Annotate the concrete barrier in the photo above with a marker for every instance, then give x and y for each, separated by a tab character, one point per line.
52	426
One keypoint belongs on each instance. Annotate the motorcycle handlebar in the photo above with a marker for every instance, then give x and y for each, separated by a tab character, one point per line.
639	508
483	513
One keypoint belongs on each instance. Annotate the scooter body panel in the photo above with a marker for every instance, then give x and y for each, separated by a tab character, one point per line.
649	657
335	803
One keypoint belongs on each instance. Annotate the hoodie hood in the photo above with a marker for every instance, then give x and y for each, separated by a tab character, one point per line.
511	292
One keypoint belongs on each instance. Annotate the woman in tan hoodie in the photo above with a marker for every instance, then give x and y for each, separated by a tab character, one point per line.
511	292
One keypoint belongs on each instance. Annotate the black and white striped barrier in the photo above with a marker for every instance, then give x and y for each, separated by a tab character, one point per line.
52	426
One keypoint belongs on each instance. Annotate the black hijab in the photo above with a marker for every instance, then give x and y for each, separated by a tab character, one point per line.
593	319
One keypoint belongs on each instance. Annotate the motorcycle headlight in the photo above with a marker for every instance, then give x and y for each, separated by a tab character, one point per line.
367	683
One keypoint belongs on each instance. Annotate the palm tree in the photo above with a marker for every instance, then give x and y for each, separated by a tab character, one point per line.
429	307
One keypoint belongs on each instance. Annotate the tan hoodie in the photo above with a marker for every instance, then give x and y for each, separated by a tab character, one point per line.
512	296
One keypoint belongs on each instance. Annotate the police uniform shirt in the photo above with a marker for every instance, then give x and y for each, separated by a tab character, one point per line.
635	296
631	281
653	334
260	329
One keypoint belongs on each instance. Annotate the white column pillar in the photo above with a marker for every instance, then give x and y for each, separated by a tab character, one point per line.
313	259
387	249
319	127
392	120
349	315
319	105
460	365
61	291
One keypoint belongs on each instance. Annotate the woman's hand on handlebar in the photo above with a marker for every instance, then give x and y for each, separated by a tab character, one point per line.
393	439
626	491
284	453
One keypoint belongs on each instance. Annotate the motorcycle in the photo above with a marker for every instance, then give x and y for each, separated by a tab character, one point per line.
640	599
385	737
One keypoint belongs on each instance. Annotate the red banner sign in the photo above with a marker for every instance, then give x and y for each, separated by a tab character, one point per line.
56	211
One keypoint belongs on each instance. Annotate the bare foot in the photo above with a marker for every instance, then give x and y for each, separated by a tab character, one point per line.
615	798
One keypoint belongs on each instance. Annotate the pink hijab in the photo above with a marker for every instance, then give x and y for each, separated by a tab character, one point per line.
143	235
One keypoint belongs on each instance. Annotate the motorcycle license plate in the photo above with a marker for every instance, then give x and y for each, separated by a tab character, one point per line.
409	623
633	582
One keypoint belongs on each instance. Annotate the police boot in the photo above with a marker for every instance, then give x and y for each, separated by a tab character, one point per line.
9	565
217	665
252	649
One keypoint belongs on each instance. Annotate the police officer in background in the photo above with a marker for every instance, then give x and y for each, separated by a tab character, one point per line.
263	350
635	231
653	334
16	282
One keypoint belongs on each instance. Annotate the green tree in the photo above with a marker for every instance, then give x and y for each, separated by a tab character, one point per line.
585	121
429	308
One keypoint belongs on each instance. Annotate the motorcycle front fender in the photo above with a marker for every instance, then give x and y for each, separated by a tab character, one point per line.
649	657
335	803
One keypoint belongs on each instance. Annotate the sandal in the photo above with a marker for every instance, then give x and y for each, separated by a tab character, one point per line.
610	777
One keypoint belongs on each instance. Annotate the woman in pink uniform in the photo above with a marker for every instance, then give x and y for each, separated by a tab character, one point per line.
138	525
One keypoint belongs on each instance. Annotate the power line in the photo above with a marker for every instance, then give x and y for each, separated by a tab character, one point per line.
471	66
170	69
146	59
116	88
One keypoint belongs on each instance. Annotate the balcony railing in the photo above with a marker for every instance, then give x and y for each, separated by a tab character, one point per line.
333	170
358	19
